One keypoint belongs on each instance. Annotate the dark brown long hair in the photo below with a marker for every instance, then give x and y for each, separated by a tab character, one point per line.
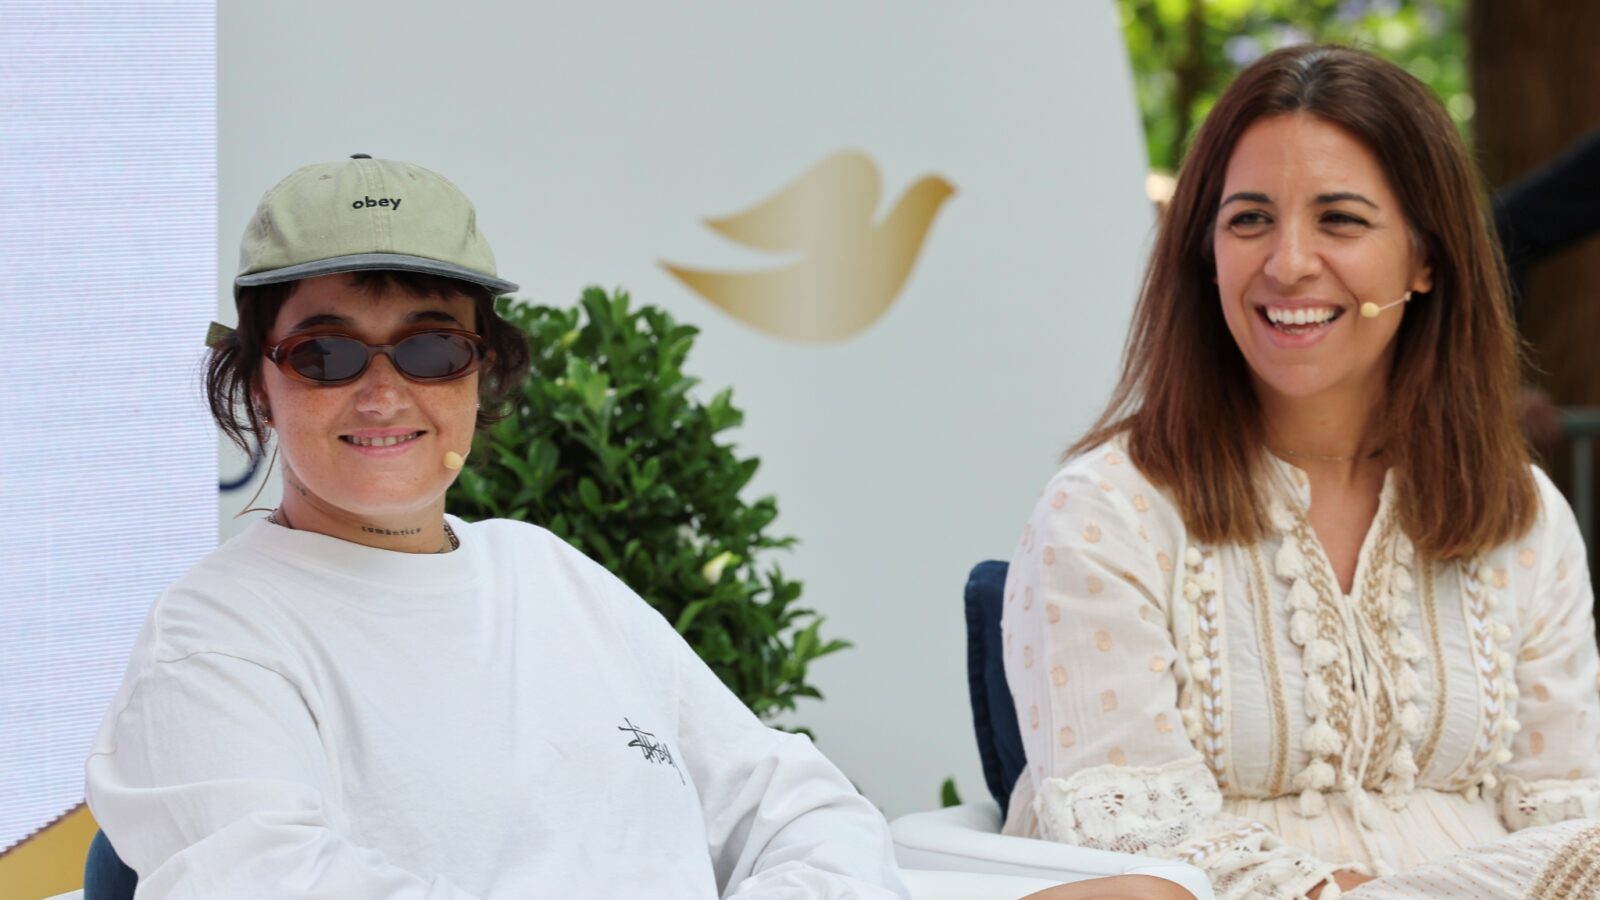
1449	430
233	369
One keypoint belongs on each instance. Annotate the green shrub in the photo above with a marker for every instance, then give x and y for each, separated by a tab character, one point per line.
607	447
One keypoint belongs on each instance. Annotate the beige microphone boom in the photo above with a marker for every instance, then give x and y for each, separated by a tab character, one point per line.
1370	310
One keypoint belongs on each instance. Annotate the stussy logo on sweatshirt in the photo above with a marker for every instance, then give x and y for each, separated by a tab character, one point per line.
654	751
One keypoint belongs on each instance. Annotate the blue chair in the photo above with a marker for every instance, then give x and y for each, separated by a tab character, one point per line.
105	875
994	715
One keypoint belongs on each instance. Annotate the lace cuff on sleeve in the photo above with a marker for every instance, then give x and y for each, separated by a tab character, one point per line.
1525	804
1174	812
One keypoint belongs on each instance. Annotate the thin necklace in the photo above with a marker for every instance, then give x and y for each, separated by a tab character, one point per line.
281	518
1298	454
1317	456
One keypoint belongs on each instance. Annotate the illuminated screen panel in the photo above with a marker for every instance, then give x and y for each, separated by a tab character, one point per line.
108	472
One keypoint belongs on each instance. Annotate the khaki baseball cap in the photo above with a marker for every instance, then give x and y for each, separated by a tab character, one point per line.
363	213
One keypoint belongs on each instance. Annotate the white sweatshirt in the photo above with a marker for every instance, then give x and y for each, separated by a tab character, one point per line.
304	717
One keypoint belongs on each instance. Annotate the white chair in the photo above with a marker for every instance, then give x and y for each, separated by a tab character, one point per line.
959	854
924	886
967	838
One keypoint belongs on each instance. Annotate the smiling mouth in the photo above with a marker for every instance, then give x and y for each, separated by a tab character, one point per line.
380	441
1299	322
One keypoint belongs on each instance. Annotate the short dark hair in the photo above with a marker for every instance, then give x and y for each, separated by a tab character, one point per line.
233	370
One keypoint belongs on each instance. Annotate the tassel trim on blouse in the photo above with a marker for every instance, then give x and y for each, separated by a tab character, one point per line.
1319	658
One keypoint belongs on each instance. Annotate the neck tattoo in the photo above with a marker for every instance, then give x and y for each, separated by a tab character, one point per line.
281	518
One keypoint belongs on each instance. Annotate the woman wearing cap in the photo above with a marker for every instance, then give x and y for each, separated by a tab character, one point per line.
1298	610
361	696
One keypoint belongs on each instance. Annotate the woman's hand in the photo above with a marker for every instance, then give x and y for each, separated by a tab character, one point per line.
1344	878
1116	887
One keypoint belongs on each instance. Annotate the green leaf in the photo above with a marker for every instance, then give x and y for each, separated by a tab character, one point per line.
721	411
524	472
806	643
687	617
832	646
648	474
947	794
590	495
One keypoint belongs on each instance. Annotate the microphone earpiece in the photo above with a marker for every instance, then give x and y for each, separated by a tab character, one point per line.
1370	310
453	460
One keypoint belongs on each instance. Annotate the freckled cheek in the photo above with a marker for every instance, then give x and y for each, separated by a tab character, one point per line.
453	410
296	405
307	423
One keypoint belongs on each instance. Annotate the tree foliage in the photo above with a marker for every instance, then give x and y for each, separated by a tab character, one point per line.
1184	52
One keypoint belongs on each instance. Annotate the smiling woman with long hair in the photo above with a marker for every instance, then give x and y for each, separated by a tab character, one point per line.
363	697
1298	610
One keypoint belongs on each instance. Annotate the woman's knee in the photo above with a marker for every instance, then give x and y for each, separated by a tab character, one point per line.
1116	887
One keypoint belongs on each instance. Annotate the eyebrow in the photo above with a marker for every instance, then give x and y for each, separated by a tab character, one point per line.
329	320
1321	199
1246	197
1340	196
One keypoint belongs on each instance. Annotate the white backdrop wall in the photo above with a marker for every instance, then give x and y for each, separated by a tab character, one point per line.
107	476
595	137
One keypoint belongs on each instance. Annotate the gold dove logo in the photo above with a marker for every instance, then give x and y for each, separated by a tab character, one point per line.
853	267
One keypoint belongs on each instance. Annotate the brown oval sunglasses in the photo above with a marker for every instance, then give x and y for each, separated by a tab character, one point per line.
443	354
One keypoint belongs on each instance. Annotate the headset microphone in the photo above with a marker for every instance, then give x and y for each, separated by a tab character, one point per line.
453	460
1370	310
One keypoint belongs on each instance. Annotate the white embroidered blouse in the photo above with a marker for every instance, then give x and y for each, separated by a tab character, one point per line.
1230	706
